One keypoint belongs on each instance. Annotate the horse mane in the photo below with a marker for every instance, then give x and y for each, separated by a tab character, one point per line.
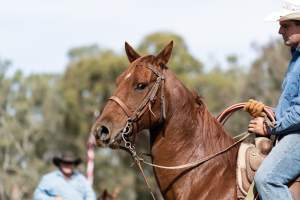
214	132
209	133
198	98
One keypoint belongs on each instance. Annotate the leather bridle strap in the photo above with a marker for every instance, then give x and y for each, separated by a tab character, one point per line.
141	109
126	110
149	98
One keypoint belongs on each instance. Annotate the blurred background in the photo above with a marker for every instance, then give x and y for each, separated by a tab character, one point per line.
59	60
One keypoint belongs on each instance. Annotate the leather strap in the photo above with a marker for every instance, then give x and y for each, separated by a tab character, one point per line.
148	100
252	194
116	99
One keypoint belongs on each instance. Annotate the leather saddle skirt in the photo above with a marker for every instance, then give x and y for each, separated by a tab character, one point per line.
250	156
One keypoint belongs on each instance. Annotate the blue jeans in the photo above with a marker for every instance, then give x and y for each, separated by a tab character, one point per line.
278	169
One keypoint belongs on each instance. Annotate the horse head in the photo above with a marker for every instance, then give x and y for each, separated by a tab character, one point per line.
182	131
138	102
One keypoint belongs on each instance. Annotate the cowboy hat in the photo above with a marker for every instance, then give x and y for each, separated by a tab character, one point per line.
66	157
290	11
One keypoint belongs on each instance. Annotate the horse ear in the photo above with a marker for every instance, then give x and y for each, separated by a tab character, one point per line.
104	194
164	56
132	55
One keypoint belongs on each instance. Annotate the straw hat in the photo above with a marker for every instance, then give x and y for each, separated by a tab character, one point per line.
290	11
66	157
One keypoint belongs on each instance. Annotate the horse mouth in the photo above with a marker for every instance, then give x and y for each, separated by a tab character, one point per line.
114	143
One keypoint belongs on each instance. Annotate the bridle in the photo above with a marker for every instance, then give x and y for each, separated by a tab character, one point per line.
134	117
148	100
146	104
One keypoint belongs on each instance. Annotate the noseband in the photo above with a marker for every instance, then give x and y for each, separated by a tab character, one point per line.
146	104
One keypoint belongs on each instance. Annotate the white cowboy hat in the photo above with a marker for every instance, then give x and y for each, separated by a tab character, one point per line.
290	11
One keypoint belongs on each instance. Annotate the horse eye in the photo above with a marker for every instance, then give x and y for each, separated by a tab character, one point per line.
141	86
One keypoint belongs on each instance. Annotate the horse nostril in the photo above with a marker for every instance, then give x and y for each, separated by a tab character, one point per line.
102	133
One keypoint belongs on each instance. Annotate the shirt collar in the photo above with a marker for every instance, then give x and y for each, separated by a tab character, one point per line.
295	52
59	173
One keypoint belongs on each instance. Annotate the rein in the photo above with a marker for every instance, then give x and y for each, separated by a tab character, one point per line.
201	161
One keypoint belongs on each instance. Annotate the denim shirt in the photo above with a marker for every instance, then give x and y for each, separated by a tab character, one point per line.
54	184
288	109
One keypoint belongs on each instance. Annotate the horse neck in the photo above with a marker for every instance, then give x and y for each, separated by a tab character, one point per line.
190	134
188	123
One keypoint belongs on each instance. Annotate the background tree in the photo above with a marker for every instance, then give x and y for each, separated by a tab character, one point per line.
182	62
267	72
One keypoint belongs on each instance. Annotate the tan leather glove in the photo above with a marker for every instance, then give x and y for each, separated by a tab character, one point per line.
255	108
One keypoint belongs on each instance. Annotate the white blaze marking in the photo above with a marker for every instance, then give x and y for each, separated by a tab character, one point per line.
128	75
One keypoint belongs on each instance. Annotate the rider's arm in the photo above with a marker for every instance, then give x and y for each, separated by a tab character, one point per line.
290	121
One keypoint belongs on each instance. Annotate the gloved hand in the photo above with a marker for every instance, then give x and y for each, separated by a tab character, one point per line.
255	108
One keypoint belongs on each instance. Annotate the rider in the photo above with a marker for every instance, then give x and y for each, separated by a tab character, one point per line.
282	165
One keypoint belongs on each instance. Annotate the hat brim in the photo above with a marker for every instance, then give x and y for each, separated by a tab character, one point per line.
283	15
56	161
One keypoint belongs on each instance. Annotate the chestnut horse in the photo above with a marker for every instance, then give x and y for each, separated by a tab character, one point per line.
181	129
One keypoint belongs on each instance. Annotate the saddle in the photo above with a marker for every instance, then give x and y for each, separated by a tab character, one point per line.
251	155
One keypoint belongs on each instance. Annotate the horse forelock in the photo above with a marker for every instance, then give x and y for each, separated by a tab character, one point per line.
144	60
140	62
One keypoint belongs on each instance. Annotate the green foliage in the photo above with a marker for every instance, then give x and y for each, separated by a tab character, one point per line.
45	113
267	72
182	62
81	52
86	84
28	113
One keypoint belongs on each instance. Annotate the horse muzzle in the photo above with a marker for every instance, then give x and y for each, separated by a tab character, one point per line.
105	138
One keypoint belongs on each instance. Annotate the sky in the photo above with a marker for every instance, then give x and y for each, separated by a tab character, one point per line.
37	34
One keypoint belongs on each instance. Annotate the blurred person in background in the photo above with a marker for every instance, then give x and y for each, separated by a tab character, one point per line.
282	165
65	183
